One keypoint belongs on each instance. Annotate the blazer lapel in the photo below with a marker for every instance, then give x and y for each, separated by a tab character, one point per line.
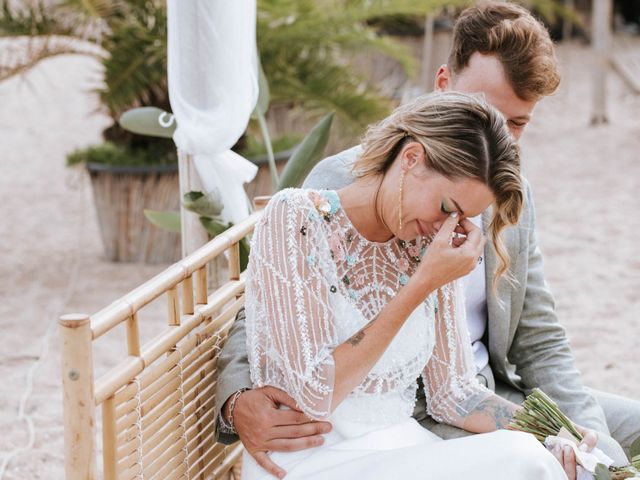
499	303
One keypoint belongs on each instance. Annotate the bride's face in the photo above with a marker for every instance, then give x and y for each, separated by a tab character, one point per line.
428	198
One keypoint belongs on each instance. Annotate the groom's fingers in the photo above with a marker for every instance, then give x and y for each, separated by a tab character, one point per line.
265	462
289	417
299	431
294	444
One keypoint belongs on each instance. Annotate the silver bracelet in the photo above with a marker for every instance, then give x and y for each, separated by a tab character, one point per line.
227	426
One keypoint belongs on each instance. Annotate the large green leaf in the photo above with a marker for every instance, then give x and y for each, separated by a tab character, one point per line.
167	220
214	228
308	153
147	121
207	204
259	113
264	130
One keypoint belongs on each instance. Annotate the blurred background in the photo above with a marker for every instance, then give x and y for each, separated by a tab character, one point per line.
74	184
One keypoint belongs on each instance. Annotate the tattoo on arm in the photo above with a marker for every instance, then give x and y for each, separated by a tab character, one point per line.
357	337
498	409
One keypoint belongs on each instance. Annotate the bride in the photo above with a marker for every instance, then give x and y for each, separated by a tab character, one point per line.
353	294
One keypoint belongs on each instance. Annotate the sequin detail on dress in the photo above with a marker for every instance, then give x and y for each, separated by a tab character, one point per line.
309	292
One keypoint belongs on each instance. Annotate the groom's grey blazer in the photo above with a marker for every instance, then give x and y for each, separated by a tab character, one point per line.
527	346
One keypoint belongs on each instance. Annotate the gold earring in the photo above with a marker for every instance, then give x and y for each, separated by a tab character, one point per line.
400	200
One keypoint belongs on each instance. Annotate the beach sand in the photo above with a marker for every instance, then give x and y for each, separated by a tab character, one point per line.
585	180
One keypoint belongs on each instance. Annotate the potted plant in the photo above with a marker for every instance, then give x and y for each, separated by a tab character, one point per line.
124	182
128	172
305	48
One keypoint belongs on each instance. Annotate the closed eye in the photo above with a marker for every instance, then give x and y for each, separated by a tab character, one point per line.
517	124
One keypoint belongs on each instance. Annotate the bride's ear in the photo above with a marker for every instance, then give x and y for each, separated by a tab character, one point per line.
413	155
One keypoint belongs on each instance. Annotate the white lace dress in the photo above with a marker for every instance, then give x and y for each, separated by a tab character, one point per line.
314	281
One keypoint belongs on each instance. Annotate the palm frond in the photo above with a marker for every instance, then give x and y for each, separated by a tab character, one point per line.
31	18
319	86
365	10
136	71
307	46
21	55
94	9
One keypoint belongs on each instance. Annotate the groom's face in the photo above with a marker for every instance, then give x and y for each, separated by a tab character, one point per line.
485	74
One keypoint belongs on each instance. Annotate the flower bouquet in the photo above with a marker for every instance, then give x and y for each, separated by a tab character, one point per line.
541	417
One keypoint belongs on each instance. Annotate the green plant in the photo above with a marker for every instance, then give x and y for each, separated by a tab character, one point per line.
209	205
305	46
127	37
255	147
109	153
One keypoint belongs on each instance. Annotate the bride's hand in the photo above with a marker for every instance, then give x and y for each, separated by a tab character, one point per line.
567	457
447	259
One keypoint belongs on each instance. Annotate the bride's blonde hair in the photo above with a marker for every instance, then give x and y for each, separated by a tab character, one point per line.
463	137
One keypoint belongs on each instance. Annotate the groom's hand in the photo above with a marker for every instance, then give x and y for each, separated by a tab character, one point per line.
262	426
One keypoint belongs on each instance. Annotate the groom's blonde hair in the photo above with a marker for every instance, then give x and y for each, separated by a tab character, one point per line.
463	137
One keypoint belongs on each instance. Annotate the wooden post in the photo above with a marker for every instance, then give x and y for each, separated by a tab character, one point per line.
427	54
201	286
187	295
109	439
173	307
79	402
193	233
234	262
600	34
133	335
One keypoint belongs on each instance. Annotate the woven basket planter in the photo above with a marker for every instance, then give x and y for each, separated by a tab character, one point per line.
121	194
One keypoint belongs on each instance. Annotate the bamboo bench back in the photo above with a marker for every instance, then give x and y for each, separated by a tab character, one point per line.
157	403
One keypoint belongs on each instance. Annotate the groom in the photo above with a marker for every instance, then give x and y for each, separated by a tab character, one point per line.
499	50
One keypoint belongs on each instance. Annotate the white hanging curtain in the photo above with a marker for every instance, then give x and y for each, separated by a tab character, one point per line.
213	88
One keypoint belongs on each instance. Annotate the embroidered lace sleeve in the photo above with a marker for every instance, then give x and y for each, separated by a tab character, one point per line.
290	319
451	388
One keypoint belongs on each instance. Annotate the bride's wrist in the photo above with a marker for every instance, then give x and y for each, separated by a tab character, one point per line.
422	286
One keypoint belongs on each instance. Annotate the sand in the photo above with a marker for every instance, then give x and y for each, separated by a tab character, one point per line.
585	180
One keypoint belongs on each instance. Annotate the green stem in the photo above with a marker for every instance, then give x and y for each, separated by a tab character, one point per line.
267	143
551	407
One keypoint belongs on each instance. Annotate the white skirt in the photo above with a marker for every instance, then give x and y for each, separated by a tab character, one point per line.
408	451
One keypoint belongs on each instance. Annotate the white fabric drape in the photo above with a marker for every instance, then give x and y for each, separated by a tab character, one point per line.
213	88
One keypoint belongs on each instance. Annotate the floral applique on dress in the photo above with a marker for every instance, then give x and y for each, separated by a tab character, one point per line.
326	202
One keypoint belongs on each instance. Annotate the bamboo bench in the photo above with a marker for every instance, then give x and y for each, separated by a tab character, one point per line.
157	403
